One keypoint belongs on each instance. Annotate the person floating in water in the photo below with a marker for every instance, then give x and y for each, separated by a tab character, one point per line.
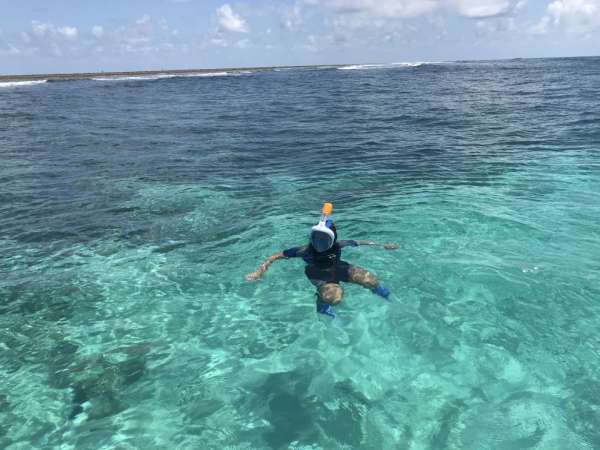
324	265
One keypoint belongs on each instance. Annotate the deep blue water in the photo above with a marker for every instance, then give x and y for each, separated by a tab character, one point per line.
130	211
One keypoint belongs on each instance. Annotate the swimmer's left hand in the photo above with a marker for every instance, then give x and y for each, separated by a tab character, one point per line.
391	246
254	276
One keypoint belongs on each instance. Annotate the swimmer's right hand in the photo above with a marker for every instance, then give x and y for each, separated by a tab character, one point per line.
253	276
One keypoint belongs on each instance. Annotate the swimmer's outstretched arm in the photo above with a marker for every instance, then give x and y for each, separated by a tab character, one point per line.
264	266
387	246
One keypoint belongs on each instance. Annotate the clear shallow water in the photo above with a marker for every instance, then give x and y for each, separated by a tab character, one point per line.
130	212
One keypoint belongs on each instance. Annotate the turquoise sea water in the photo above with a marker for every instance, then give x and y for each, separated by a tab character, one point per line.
130	212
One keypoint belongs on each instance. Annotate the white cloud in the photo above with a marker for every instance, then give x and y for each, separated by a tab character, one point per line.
392	9
572	16
311	44
292	16
351	23
143	36
219	42
242	43
144	20
98	31
369	22
8	48
41	29
231	21
12	50
497	25
163	24
68	32
400	9
541	27
520	5
579	16
56	50
481	8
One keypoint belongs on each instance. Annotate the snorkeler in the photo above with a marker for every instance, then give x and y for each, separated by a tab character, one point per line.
324	266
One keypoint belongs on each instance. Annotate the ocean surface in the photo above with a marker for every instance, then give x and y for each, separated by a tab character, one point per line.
131	209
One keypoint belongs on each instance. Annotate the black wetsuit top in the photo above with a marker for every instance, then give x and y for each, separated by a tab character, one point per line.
324	267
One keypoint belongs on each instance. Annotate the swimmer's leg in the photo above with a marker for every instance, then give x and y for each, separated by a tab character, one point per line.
366	279
330	293
358	275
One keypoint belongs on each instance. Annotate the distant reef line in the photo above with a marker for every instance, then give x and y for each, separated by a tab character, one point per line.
70	76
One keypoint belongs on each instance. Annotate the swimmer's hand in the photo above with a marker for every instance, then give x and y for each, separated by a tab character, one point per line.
387	246
254	276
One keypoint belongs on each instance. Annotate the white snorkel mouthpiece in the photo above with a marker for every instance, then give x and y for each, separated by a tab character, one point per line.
321	236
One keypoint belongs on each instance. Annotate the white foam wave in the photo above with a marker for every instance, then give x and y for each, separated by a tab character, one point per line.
409	64
361	67
7	84
210	74
160	76
383	66
156	77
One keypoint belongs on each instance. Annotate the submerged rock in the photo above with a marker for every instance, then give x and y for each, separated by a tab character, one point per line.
97	383
98	392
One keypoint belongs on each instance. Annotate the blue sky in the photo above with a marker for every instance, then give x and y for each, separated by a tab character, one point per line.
40	36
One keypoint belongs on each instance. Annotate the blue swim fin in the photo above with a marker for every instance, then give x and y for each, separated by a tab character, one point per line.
324	308
333	322
382	291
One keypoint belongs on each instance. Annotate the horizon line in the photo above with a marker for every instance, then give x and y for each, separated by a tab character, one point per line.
68	75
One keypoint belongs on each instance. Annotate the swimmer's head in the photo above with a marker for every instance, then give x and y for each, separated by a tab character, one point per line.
323	235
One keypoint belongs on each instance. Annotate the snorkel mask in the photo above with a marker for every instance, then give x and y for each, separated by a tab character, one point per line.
322	237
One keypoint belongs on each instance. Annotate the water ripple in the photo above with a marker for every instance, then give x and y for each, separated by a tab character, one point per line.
130	212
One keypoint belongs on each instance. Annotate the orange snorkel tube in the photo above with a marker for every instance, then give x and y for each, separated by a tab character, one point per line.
322	237
326	211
